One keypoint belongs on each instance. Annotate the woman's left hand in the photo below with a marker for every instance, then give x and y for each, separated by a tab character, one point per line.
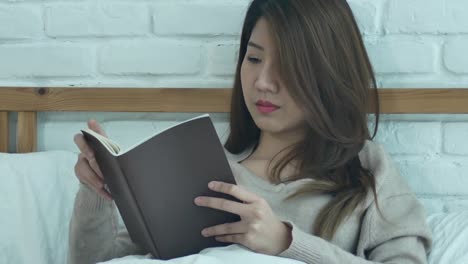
259	229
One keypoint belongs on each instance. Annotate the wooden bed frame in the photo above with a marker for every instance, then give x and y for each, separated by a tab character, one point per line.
27	101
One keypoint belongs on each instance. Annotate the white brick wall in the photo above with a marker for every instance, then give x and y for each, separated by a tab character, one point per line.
456	138
456	56
45	60
19	22
211	18
142	57
426	16
88	20
193	43
222	59
412	43
402	55
400	137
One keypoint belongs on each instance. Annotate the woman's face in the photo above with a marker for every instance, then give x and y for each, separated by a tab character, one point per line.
262	86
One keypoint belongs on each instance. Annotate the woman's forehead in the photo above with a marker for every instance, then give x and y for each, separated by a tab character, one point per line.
262	37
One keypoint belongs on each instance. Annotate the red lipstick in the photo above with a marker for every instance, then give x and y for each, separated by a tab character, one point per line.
266	106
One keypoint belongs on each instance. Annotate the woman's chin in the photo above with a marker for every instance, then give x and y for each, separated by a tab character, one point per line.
267	126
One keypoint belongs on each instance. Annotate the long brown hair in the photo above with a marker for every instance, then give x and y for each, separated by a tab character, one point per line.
327	72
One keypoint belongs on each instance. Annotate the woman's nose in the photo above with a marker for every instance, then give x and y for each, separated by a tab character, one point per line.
266	81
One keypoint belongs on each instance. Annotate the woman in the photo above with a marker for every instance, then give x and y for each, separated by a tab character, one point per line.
314	186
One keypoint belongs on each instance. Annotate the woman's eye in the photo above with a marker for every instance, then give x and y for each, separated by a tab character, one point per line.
254	60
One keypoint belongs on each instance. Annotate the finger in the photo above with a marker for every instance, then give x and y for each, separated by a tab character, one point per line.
236	239
87	175
245	239
83	146
233	190
95	166
222	204
96	184
225	229
96	127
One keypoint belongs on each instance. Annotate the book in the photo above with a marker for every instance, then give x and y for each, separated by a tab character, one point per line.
154	184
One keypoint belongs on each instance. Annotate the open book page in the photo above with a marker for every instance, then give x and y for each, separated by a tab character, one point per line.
112	146
146	139
149	137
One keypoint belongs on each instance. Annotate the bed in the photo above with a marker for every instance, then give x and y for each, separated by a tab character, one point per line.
38	187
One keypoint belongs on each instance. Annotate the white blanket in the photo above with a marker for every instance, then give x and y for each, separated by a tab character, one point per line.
233	254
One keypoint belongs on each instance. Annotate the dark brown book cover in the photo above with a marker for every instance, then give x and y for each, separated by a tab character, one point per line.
155	183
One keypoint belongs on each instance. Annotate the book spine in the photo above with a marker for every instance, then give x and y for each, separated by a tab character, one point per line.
135	224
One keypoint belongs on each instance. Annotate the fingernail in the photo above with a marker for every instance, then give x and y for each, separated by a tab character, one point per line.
204	232
197	200
211	184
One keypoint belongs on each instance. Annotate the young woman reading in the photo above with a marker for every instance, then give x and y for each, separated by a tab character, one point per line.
314	186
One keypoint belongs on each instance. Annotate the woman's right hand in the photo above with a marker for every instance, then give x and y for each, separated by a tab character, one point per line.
86	168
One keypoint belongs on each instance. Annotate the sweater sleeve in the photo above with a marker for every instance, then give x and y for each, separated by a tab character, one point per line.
401	237
94	234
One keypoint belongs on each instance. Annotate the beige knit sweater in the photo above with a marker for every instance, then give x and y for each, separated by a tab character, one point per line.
364	237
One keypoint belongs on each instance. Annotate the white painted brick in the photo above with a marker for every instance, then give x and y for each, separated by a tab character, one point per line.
439	204
222	59
45	61
150	58
410	137
457	20
75	20
427	16
20	22
435	176
198	19
432	205
409	81
456	138
365	13
397	55
456	205
456	55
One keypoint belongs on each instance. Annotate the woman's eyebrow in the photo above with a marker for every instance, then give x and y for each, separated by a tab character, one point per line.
255	45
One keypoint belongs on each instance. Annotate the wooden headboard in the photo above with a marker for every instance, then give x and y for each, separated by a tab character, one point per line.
27	101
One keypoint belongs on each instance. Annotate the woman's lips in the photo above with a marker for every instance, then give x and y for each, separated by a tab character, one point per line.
267	109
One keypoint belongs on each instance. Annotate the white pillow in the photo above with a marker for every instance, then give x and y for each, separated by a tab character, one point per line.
450	238
37	191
